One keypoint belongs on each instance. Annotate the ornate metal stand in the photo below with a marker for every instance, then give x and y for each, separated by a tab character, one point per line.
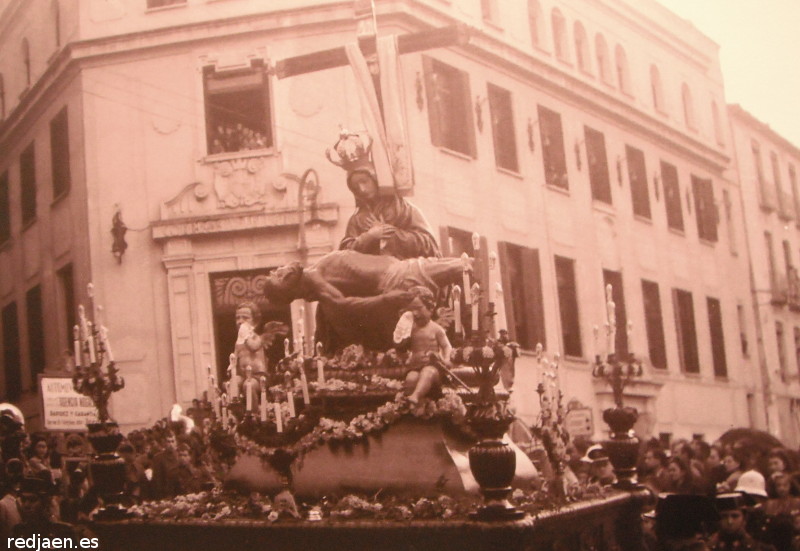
493	462
106	468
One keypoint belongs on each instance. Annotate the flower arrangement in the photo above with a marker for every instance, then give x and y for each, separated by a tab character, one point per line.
449	406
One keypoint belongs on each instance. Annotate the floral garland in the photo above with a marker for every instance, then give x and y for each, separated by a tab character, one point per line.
449	406
216	505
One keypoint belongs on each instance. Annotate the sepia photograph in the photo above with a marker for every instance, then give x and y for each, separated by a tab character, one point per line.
400	275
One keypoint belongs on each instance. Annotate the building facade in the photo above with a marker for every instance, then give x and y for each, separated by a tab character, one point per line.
767	169
587	142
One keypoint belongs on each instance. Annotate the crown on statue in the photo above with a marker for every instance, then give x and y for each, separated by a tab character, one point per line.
353	152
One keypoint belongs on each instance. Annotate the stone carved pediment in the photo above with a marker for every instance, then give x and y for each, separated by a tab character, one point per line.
240	192
240	182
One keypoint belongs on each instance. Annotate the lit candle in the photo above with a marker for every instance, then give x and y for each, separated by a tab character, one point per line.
76	342
249	391
233	381
278	417
225	411
107	343
91	343
629	333
457	309
286	350
82	321
263	399
500	307
301	313
465	277
290	399
476	315
320	366
304	385
612	320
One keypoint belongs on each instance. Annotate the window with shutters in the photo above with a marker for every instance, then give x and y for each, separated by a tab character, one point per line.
717	337
5	209
65	303
637	177
522	293
505	141
59	153
597	160
672	196
553	154
781	342
705	209
238	114
797	348
27	183
794	190
614	279
686	329
449	107
36	345
766	194
12	359
727	204
568	306
654	324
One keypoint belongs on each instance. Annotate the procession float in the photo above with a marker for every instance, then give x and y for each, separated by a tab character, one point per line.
387	426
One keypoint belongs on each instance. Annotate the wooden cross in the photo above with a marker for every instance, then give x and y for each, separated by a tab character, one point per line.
406	43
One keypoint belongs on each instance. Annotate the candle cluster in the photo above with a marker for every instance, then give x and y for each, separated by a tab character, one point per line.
484	316
251	396
92	348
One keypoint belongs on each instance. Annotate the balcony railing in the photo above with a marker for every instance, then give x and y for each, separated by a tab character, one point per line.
793	290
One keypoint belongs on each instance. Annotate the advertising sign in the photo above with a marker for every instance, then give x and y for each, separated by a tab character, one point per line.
62	408
579	422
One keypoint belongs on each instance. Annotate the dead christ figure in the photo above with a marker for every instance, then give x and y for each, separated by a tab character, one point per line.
360	294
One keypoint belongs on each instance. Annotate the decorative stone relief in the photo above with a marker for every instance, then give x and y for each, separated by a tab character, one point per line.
237	182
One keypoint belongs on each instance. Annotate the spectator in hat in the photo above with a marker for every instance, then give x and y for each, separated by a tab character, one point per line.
681	521
753	488
34	500
601	472
732	532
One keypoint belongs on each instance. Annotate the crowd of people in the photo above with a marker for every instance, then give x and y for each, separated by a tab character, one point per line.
719	496
229	138
44	478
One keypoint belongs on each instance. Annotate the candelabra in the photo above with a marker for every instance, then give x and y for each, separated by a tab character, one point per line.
92	350
623	445
549	427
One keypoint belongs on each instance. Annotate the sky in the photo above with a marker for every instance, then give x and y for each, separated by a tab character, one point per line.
759	52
